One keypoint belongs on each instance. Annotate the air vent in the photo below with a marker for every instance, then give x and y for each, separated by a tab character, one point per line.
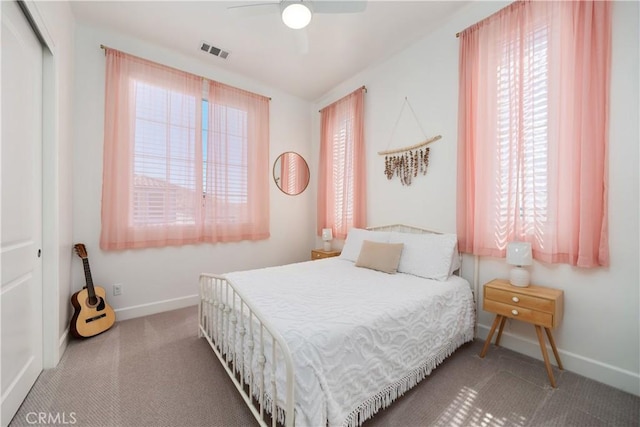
215	51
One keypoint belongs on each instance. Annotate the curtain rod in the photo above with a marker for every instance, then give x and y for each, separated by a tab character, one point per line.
513	5
103	47
363	87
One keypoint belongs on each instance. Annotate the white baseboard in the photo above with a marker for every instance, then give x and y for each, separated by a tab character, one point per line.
155	307
63	342
615	377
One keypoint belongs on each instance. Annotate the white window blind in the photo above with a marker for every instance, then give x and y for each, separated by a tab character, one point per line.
523	86
226	173
343	167
164	156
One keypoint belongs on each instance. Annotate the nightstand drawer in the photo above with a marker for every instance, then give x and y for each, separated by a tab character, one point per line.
519	312
519	300
320	254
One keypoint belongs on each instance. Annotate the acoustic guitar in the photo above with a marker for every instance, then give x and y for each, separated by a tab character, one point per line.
92	314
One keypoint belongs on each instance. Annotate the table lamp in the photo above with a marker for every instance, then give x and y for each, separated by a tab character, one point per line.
327	236
519	255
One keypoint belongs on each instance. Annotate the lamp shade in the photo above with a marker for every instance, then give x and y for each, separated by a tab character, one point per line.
519	253
327	234
296	15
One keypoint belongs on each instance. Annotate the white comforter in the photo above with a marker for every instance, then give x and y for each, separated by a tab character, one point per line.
359	338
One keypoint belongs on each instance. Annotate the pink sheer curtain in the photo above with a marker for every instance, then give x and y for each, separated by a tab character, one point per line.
160	187
148	197
237	165
533	132
341	175
301	173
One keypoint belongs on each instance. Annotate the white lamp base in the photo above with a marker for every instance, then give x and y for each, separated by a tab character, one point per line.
519	277
327	246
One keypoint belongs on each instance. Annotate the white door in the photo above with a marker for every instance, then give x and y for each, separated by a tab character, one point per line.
21	209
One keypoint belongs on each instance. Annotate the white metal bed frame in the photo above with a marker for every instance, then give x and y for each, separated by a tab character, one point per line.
219	304
220	309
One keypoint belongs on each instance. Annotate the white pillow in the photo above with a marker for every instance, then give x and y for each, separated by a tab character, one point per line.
455	260
426	255
355	237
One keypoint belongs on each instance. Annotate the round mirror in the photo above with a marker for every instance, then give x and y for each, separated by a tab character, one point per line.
291	173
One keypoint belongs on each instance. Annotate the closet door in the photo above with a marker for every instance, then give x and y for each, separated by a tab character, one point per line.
21	209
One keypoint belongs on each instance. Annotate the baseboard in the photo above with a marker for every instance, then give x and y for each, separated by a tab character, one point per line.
63	342
155	307
615	377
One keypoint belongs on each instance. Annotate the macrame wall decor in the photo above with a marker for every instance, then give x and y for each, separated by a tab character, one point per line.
408	162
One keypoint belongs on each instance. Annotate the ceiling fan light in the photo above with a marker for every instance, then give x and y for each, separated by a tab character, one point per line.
296	16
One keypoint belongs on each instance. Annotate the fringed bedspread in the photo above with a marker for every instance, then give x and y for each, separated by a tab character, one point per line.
359	338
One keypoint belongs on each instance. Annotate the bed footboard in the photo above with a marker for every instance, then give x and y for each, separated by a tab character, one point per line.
240	336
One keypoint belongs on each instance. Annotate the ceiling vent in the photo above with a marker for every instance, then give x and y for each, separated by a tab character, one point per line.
215	51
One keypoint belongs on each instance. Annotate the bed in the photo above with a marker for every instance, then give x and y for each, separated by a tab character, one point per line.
333	341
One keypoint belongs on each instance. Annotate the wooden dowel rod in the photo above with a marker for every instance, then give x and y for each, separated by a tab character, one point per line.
413	147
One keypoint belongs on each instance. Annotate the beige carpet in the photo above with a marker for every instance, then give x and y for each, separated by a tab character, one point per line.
154	371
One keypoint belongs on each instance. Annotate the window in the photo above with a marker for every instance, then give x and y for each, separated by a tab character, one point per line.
178	168
231	137
522	116
533	132
343	183
341	188
163	156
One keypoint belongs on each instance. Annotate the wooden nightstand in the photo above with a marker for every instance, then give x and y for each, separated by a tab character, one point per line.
321	253
537	305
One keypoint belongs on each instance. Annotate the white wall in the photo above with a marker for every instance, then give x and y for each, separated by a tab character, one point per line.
158	279
599	335
55	23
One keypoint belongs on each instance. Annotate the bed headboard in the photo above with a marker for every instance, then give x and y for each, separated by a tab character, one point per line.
402	229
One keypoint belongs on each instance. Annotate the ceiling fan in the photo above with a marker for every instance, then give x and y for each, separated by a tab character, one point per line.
297	14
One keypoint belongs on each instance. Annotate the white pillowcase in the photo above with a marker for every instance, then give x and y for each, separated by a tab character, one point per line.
427	255
355	237
455	259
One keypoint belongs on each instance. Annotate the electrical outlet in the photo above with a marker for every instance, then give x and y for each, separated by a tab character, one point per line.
117	289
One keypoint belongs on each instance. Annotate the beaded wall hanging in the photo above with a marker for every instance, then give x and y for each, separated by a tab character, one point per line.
408	162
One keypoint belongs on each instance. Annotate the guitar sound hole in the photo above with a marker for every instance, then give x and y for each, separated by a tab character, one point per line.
97	303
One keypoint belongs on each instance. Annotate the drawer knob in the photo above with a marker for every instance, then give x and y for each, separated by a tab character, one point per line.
514	312
515	299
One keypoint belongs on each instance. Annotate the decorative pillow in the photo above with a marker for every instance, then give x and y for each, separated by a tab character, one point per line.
426	255
356	236
383	257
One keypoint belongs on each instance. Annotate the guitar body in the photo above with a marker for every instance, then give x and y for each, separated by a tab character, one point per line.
91	319
92	315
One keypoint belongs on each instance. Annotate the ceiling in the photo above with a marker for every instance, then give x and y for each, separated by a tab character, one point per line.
262	48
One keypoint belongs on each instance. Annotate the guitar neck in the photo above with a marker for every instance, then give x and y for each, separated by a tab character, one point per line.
87	275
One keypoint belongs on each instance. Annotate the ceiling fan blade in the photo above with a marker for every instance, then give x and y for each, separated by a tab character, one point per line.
255	9
331	6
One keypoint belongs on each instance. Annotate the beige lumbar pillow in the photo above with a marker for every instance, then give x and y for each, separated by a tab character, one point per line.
380	256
